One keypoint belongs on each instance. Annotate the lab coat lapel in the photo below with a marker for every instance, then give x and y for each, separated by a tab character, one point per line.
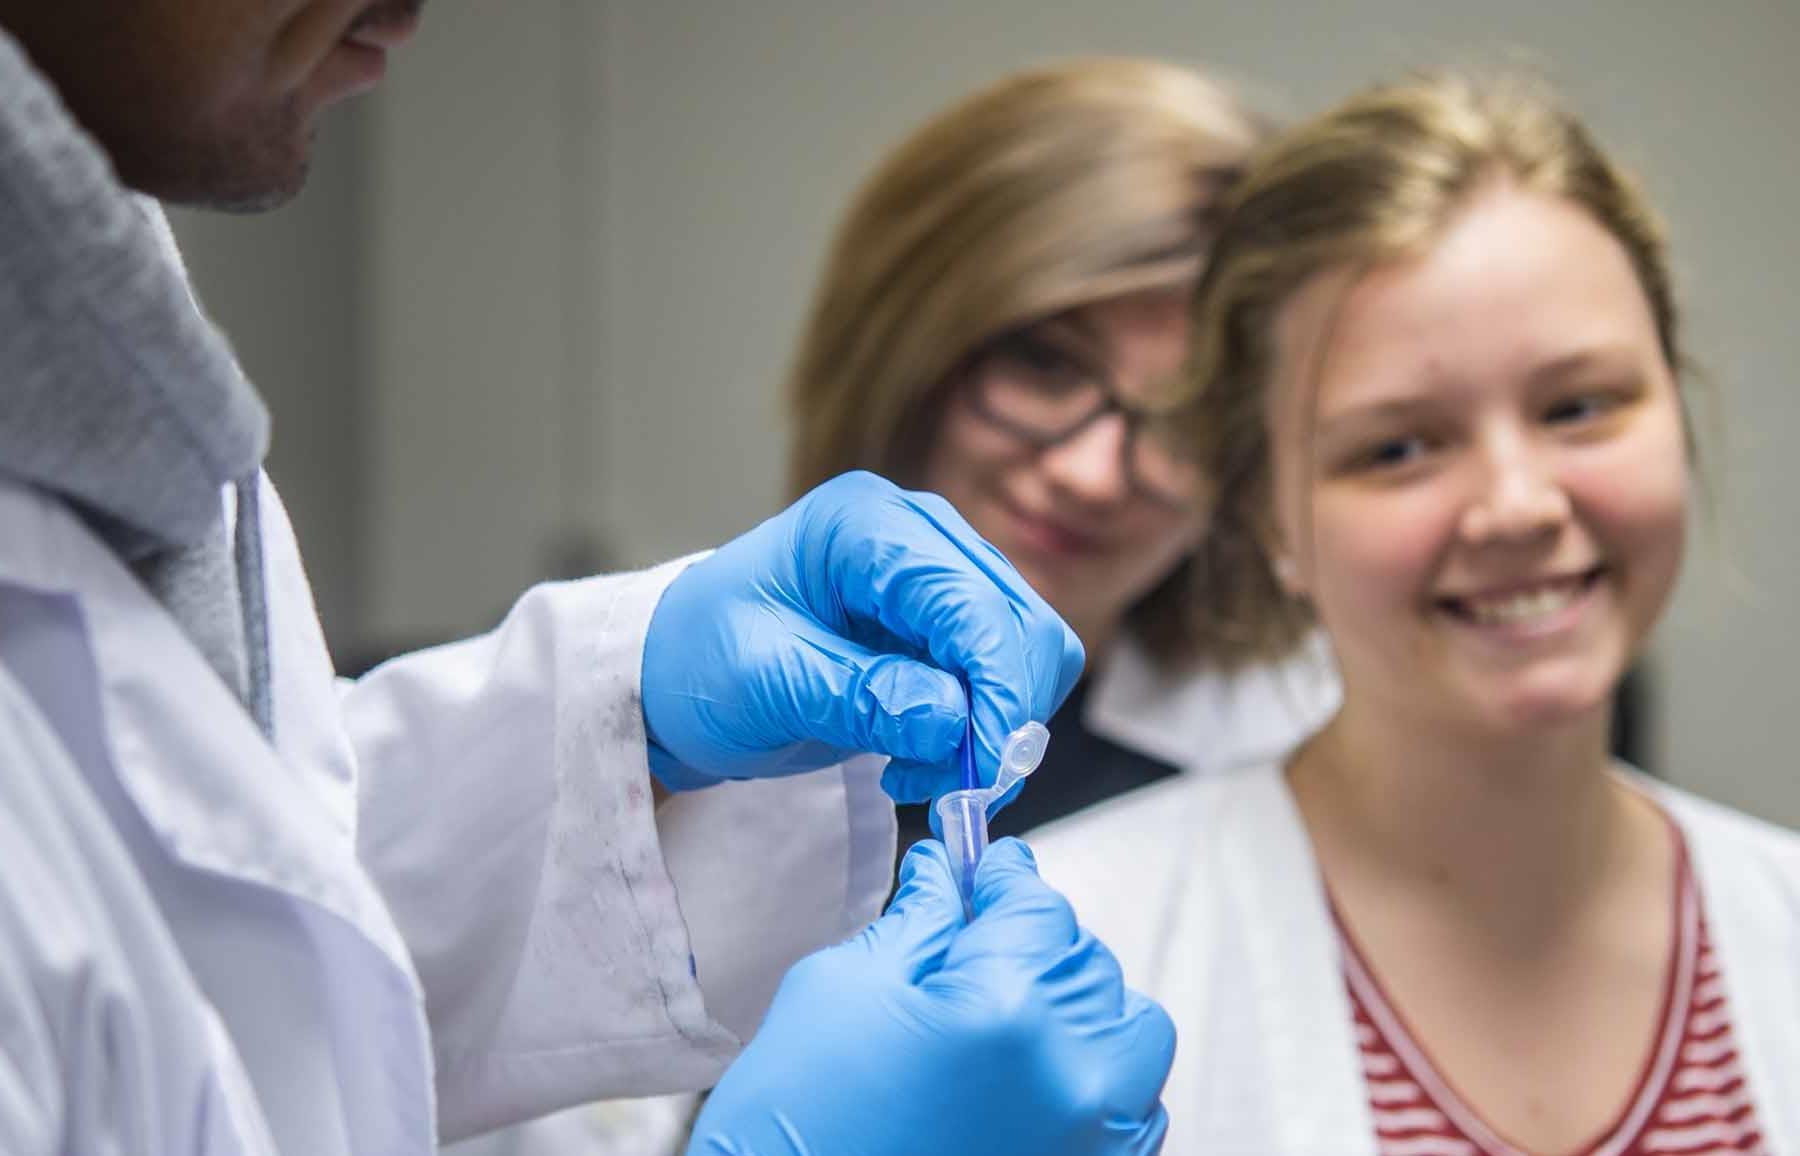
1297	965
216	802
1281	1017
194	764
1749	903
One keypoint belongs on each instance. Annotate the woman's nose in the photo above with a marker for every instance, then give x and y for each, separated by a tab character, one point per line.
1090	466
1520	499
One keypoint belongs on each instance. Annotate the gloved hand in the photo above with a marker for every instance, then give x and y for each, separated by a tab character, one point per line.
1012	1034
844	625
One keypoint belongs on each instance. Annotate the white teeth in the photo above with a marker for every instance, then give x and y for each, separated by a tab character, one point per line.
1524	606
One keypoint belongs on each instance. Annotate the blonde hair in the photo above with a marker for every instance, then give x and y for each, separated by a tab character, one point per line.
1054	188
1375	180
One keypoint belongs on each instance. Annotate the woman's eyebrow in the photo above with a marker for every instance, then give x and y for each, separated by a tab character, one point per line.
1384	410
1606	358
1075	320
1062	338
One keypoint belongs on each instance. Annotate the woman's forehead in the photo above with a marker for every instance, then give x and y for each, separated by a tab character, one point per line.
1521	285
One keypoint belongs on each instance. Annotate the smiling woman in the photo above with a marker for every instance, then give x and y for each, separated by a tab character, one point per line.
1441	404
1482	480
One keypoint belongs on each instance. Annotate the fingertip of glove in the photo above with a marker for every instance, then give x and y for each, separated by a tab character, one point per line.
1074	661
1012	852
922	711
925	871
1155	1027
1008	882
925	856
927	901
911	781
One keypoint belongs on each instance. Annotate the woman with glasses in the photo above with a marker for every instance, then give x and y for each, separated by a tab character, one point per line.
1000	320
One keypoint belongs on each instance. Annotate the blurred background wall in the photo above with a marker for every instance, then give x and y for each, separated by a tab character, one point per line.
530	316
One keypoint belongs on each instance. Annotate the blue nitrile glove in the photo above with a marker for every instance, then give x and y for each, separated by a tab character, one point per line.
1012	1034
848	623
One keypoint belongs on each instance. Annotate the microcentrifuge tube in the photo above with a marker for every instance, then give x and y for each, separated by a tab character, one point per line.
963	815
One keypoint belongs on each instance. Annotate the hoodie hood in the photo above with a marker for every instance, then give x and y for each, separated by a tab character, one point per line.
117	395
116	392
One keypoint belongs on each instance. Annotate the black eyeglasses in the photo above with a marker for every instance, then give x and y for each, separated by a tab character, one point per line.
1044	391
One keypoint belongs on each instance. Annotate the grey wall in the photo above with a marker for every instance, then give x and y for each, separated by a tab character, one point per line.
467	254
591	228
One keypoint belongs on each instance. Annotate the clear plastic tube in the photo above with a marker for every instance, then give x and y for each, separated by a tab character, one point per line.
963	815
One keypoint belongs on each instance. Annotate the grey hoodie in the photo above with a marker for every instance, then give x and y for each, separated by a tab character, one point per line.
116	394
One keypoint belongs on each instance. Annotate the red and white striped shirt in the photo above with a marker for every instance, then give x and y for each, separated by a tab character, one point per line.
1690	1101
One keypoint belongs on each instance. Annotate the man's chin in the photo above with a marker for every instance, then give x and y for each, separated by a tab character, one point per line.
239	176
250	198
234	188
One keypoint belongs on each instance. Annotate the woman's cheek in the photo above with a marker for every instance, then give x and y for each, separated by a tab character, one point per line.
1376	550
1635	501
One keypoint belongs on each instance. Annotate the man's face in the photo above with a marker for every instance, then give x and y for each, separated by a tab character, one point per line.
209	101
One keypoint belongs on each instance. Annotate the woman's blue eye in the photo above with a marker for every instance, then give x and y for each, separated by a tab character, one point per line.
1397	452
1572	410
1583	407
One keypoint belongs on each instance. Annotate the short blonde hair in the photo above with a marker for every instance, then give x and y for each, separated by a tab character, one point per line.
1375	180
1055	188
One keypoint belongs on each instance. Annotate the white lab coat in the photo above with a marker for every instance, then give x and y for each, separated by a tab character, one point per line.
441	899
1208	892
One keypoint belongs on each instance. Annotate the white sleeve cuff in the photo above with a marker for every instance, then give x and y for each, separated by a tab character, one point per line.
772	869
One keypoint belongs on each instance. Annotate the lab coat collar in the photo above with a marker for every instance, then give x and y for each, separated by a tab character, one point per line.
1206	719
